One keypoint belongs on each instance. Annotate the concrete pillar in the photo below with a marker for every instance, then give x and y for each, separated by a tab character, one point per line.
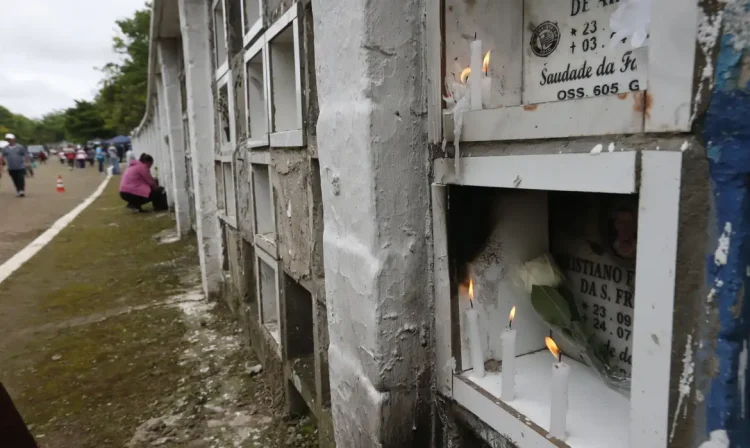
194	23
374	171
170	74
162	143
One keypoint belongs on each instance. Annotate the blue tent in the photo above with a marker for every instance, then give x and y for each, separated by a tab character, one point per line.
120	140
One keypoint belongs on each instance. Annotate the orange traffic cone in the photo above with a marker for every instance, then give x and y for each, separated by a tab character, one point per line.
60	186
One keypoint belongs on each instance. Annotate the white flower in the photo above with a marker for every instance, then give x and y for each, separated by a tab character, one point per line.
541	271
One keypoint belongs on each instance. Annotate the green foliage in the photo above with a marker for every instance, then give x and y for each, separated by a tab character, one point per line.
119	105
122	98
84	122
22	127
551	305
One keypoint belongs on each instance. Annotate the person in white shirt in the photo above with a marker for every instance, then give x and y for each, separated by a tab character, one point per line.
81	158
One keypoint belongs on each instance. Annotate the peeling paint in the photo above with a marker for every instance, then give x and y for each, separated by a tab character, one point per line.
685	146
597	149
611	147
722	251
708	32
719	439
685	385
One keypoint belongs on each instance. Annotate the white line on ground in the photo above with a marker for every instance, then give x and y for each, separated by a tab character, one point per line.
25	254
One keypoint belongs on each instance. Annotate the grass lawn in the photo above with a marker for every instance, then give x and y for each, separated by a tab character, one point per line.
108	342
81	368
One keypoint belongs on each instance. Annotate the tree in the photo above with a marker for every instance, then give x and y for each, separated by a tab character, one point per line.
118	107
23	128
84	122
122	98
51	128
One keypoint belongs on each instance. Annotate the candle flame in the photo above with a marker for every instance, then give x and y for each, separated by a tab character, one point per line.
465	74
552	347
471	290
512	313
485	68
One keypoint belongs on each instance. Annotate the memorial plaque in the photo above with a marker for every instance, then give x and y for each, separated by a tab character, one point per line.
593	238
566	53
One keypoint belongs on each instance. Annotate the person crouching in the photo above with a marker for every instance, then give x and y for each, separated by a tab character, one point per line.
137	186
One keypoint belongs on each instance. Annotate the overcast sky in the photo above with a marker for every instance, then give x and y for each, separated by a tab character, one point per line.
50	50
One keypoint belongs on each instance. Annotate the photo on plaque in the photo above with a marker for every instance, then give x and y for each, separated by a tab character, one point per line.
594	240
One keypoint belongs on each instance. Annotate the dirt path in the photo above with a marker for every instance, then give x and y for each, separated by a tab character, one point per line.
108	341
23	219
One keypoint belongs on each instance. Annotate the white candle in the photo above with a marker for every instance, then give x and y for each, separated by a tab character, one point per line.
509	364
559	396
486	83
486	92
475	343
475	79
559	408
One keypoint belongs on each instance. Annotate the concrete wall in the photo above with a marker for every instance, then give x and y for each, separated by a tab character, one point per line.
352	219
372	146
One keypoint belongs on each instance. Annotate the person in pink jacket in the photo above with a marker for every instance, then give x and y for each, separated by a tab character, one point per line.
137	186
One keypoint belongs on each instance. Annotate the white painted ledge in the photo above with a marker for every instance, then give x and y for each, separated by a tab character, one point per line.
253	32
288	139
599	173
229	220
257	143
260	157
611	114
268	245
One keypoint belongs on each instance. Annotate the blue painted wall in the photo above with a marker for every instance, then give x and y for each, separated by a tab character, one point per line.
727	136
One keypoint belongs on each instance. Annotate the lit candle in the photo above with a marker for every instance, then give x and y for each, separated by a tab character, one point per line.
486	82
475	81
559	396
508	339
475	343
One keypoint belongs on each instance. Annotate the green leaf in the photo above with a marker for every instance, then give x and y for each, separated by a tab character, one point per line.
570	300
551	305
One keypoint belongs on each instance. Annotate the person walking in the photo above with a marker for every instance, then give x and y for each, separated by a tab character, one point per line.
114	159
70	155
61	155
81	158
90	155
129	156
3	144
100	157
17	159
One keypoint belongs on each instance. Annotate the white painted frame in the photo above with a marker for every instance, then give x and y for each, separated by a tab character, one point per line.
253	30
222	68
222	213
258	47
261	256
226	149
270	247
294	137
659	188
667	99
231	220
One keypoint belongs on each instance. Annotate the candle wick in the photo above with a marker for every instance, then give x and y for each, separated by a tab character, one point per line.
471	302
475	35
510	324
559	356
